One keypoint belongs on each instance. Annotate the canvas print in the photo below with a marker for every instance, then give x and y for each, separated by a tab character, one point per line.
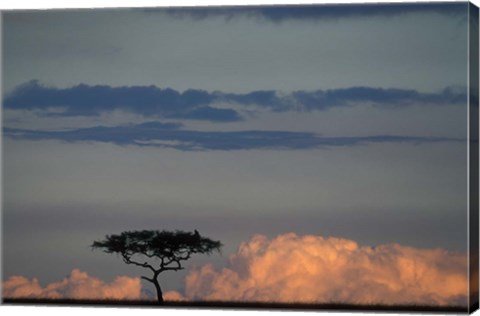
320	157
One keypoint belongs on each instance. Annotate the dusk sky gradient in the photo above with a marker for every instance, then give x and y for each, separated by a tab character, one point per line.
333	121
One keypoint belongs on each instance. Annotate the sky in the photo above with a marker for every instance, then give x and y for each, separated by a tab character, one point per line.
272	124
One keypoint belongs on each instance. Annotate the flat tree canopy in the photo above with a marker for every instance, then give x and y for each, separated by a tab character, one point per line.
165	249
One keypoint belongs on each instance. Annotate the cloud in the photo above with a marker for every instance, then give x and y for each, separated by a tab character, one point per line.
93	100
313	269
325	99
321	100
78	285
84	100
173	296
291	269
282	13
169	135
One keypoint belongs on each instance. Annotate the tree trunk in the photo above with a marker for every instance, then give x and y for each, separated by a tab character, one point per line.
159	290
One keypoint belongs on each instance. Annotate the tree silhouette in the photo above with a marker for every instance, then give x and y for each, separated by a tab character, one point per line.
164	249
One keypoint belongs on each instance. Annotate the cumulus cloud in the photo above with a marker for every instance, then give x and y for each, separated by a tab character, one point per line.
78	285
292	269
314	269
174	296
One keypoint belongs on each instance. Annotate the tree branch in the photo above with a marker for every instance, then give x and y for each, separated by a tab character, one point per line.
128	260
147	279
173	268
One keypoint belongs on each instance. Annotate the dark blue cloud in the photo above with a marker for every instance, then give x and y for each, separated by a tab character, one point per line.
168	135
321	100
93	100
325	99
280	13
266	98
197	104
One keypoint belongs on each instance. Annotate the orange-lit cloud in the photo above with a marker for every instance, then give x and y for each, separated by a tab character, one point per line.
173	296
78	285
291	268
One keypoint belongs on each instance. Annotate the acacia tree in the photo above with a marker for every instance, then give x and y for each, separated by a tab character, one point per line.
163	250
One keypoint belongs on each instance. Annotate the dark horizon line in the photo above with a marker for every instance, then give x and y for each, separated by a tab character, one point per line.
243	305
